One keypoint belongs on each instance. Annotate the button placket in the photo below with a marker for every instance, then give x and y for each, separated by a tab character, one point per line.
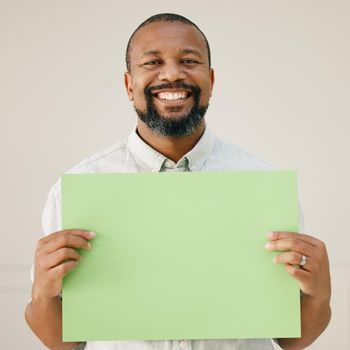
182	344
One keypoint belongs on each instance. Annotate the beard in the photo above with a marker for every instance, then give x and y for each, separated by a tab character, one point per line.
183	125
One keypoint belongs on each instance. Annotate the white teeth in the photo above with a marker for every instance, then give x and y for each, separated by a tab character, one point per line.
172	95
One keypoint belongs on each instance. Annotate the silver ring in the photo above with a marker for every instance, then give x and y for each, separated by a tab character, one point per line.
303	261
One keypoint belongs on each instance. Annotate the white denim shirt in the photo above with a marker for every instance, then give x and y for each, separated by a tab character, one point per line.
134	155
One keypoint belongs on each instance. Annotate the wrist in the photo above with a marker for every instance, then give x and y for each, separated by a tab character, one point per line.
316	301
42	298
43	288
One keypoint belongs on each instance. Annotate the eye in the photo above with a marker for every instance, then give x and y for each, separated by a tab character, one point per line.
189	61
153	63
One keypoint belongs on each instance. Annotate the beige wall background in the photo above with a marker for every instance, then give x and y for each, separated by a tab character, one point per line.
281	93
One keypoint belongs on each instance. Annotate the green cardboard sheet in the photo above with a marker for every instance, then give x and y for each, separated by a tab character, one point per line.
180	256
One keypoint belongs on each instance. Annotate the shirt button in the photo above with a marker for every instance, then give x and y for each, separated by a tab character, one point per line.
182	344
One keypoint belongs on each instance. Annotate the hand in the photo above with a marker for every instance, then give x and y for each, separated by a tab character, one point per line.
314	277
55	256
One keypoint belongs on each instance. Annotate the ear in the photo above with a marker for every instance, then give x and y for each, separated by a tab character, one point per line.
128	85
212	80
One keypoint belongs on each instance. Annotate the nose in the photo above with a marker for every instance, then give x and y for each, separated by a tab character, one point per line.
172	72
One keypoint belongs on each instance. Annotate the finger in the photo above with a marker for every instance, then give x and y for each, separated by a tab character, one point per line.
292	258
276	235
59	256
53	236
61	270
67	240
294	245
303	277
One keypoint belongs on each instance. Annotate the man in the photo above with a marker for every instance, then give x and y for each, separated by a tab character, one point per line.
170	81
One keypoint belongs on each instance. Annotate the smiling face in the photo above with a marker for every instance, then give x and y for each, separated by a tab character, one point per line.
169	81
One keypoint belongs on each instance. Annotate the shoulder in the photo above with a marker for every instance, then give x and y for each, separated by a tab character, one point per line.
107	160
229	156
110	159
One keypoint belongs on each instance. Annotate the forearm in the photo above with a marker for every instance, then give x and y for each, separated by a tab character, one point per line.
315	317
44	317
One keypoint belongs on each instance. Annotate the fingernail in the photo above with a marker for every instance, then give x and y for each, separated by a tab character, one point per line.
275	260
89	245
268	245
92	234
270	235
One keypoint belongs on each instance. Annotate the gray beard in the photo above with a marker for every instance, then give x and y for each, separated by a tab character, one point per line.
184	125
162	126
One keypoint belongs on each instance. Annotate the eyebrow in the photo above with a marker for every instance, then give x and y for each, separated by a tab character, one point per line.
193	51
150	53
183	51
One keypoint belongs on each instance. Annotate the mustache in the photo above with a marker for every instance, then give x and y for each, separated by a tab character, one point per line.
177	85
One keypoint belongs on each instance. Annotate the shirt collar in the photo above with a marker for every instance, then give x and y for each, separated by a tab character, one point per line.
153	160
145	154
200	152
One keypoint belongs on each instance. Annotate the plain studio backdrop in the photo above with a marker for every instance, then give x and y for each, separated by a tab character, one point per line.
281	93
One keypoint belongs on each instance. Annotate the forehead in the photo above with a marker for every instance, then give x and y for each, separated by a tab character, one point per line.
165	36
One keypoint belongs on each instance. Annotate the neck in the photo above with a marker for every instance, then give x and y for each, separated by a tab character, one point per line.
173	148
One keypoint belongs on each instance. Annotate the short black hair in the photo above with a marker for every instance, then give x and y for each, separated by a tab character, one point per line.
163	17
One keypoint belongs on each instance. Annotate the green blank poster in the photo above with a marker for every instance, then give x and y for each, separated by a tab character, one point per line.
180	256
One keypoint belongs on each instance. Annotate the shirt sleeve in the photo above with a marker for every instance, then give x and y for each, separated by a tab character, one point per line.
51	217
